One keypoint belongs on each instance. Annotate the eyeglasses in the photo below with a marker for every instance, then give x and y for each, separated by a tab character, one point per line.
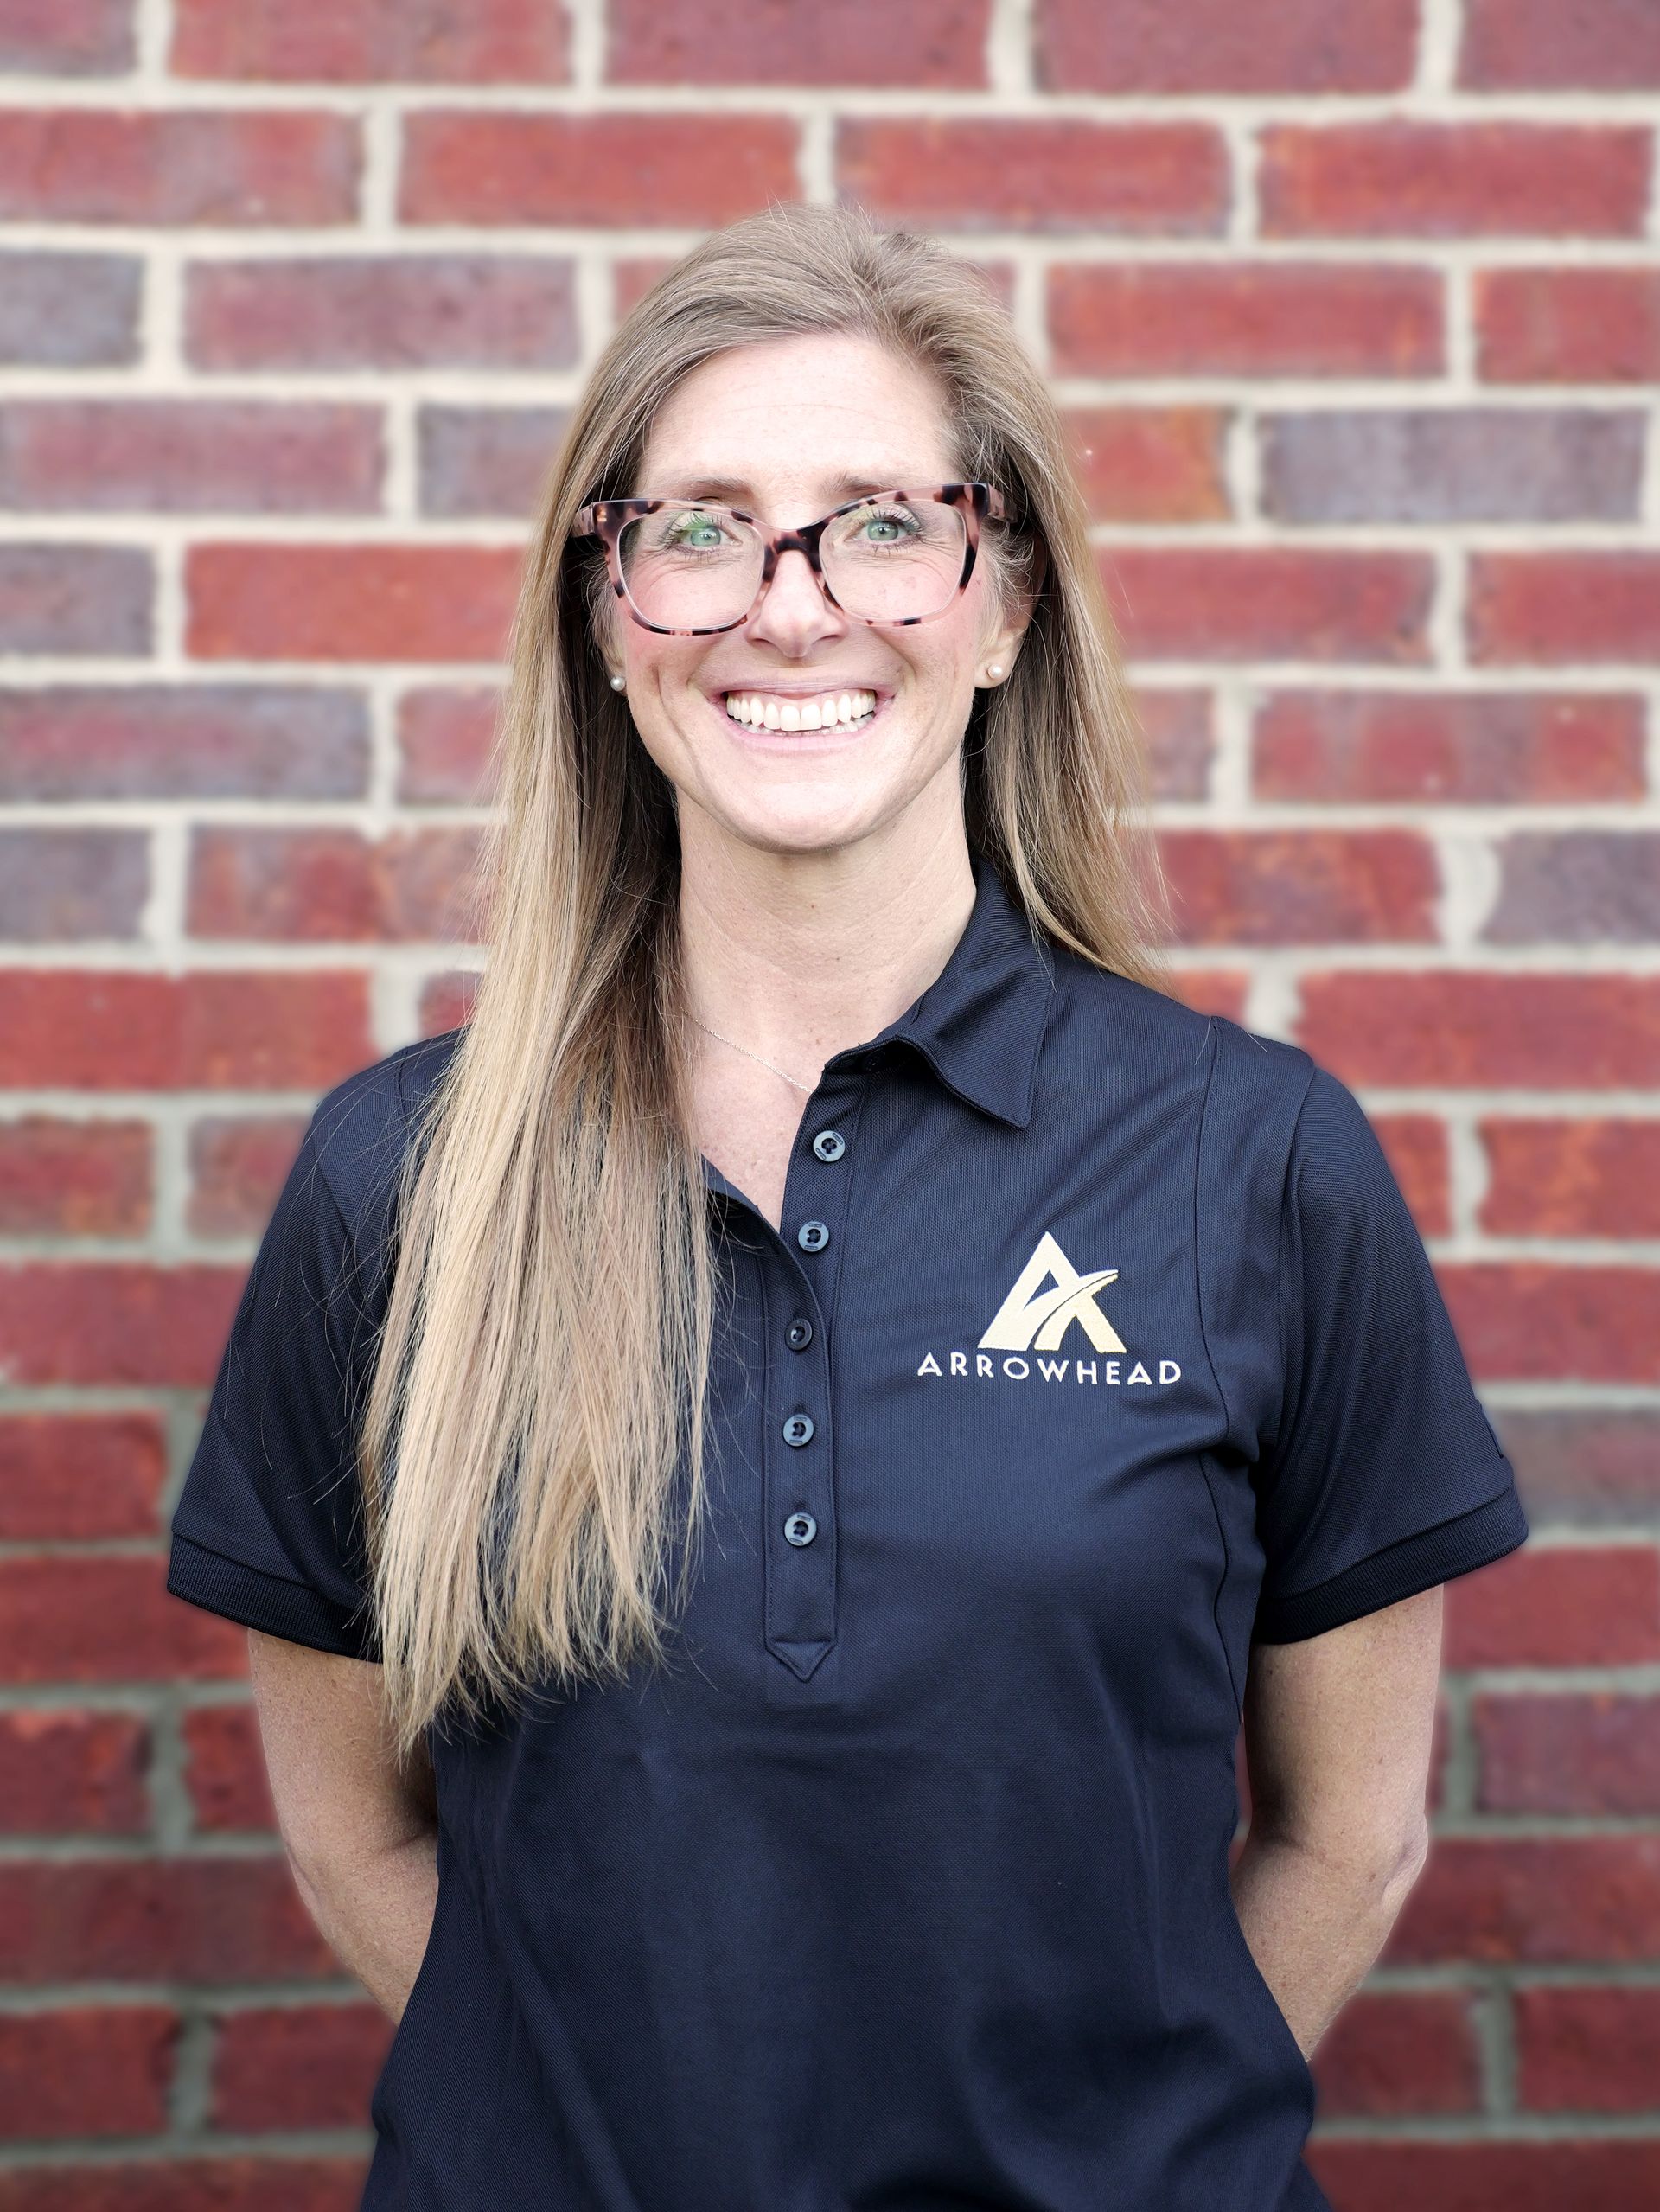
686	567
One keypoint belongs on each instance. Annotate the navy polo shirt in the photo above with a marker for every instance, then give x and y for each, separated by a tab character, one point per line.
1097	1343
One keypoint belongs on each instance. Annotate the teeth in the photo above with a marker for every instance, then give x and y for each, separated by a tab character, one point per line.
773	711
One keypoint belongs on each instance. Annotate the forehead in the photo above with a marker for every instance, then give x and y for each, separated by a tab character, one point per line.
795	415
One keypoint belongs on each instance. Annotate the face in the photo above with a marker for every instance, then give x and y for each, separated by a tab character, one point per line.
792	421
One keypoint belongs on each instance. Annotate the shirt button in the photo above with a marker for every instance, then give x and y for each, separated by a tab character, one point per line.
829	1144
798	1430
800	1528
813	1236
799	1334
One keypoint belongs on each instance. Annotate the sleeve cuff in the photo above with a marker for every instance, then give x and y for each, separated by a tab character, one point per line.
1399	1570
292	1610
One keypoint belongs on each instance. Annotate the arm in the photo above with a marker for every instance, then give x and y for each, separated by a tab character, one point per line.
360	1832
1338	1732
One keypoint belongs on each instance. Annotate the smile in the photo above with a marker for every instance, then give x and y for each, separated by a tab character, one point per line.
768	710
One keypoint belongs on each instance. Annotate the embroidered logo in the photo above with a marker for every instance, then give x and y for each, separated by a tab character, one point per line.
1032	1319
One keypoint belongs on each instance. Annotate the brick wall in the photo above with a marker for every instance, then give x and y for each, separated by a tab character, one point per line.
1357	312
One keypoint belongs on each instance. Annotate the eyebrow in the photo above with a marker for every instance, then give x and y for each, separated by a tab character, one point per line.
733	491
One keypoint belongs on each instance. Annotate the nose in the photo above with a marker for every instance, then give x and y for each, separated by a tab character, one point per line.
794	614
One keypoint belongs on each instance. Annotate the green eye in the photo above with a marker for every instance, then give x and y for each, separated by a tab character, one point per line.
693	532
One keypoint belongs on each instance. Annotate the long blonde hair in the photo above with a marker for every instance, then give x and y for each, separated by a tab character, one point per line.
542	1370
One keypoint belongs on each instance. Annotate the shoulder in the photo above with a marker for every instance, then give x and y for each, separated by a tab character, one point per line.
362	1130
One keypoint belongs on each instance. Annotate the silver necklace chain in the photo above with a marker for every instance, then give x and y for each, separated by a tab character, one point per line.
805	1089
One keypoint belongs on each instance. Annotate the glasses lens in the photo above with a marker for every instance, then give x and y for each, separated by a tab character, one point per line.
689	567
895	559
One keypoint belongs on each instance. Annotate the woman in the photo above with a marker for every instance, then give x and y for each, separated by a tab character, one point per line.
757	1470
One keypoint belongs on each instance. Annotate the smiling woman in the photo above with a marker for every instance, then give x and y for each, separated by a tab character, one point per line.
817	1414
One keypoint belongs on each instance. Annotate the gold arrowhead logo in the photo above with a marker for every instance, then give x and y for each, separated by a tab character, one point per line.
1031	1318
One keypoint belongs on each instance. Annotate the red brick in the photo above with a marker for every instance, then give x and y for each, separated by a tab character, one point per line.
1008	174
1577	887
64	1476
1585	2048
1457	1028
1405	2052
1268	318
113	1321
1534	1322
73	1179
1609	45
1151	464
1526	2174
73	1774
166	741
1592	1465
296	2066
1447	180
1179	739
1567	326
86	600
492	166
243	457
1557	1605
928	46
1598	1753
1481	747
350	603
486	460
1225	46
1545	607
243	168
107	1618
445	737
1211	990
447	1001
238	1165
103	2070
1300	886
1571	1178
70	309
71	38
58	884
1533	1899
194	2184
225	1770
362	41
202	1919
322	885
1268	602
401	311
62	1029
1416	1149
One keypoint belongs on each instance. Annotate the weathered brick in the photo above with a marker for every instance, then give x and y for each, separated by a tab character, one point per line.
486	460
64	1772
73	1179
1178	737
1482	747
350	603
1399	179
1225	46
1557	1605
362	41
1596	1753
323	885
296	2066
1151	464
144	165
1586	2049
194	2184
79	599
1251	319
1551	607
1530	1321
225	1770
1007	173
68	1476
214	1031
100	1619
1462	1026
1404	2051
69	310
1300	886
476	166
1522	2174
1592	1464
929	45
1579	1178
447	1001
69	884
169	455
1533	1899
1577	887
203	1920
105	1321
95	2070
1454	464
399	312
185	740
71	38
445	737
1416	1145
1212	990
1567	326
1268	602
1541	46
238	1165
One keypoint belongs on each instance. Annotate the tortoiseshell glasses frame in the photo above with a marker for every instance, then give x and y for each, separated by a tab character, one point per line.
607	519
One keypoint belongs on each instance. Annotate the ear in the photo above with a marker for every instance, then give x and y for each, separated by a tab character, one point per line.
1002	643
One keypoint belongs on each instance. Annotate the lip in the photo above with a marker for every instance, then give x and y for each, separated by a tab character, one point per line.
767	740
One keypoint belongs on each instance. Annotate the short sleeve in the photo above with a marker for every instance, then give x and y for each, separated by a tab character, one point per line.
268	1529
1384	1476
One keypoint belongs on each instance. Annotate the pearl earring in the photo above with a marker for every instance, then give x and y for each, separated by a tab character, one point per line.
993	671
619	683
